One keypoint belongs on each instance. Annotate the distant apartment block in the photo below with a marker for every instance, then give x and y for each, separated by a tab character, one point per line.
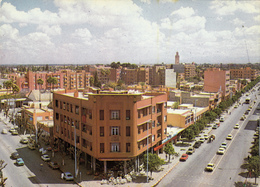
216	80
160	75
110	126
129	76
243	73
68	79
189	70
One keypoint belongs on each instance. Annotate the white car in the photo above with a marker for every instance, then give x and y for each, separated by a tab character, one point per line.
236	126
45	158
221	151
223	145
229	137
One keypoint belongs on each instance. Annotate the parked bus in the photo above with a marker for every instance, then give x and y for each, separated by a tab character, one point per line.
247	101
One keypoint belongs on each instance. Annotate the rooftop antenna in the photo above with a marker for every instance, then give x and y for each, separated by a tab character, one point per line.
245	44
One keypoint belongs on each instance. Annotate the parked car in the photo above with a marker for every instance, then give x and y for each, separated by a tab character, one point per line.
4	131
206	136
236	126
24	141
14	132
45	158
210	167
221	119
15	155
235	106
11	130
184	157
215	126
202	140
31	146
197	144
221	151
19	162
229	137
190	150
54	165
243	118
68	176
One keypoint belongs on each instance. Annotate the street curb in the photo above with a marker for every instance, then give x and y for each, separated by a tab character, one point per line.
165	174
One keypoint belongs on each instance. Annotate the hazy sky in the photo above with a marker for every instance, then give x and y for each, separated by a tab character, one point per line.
137	31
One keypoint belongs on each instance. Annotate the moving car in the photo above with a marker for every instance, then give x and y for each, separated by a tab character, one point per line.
215	126
210	167
197	144
236	126
19	162
68	176
45	158
235	106
24	141
190	150
15	155
184	157
223	145
229	137
221	151
54	165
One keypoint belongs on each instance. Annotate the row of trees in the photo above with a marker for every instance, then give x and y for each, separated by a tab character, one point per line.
212	115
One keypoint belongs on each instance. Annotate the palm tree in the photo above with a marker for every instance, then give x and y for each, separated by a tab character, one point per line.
40	83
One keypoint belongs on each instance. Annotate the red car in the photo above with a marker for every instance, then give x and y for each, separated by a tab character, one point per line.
184	157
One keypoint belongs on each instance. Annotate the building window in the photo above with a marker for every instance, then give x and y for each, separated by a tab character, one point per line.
153	110
165	118
139	129
68	134
127	131
77	139
60	104
114	130
84	127
102	147
61	118
65	119
127	114
127	147
57	128
90	114
101	131
64	106
115	147
71	108
153	124
68	107
153	138
77	124
57	116
57	103
115	115
101	113
77	110
165	105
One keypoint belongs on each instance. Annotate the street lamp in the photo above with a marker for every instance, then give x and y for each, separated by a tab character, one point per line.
75	151
147	150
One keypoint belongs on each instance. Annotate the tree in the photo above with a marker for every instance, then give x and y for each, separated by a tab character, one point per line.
52	81
154	162
2	166
91	81
254	166
40	83
169	150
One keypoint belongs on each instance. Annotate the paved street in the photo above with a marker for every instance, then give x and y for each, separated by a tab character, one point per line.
227	172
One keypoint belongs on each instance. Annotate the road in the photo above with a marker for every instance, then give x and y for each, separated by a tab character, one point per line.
228	166
29	174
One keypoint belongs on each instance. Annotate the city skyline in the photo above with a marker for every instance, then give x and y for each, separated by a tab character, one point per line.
140	32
